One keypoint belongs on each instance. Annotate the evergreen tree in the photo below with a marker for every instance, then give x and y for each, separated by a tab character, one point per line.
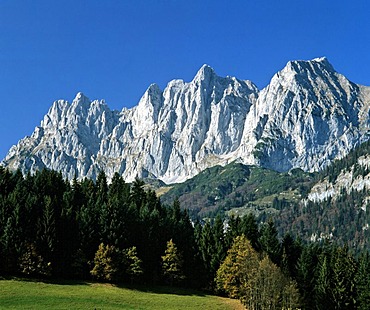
119	189
199	271
12	241
343	282
88	225
137	195
249	228
102	189
47	230
269	241
363	282
233	230
220	250
207	251
306	265
291	251
323	284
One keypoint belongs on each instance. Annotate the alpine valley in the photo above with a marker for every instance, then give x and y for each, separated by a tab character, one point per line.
306	117
274	186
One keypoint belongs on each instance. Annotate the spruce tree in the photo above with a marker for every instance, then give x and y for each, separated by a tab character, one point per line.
219	243
343	279
323	285
249	228
269	241
363	282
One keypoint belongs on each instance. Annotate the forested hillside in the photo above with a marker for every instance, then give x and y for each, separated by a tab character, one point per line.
337	206
120	232
332	204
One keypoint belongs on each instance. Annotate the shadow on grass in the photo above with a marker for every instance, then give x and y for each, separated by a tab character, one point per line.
161	289
155	289
46	281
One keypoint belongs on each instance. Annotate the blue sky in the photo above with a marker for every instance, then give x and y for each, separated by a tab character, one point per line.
113	50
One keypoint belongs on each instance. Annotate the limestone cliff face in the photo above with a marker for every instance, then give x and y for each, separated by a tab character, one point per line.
307	116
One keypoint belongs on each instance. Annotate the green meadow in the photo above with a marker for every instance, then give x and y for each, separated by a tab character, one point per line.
16	294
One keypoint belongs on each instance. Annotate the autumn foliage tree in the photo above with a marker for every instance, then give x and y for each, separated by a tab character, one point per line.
105	263
172	264
133	263
238	267
259	284
269	288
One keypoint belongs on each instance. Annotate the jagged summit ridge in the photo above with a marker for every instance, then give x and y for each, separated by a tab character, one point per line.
308	115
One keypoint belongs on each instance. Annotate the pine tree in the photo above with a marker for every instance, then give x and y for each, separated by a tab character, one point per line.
12	241
233	230
291	252
102	189
47	230
208	252
137	195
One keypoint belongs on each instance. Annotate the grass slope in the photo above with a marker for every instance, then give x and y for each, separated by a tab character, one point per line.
16	294
219	189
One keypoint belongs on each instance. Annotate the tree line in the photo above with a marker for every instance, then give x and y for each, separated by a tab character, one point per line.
120	232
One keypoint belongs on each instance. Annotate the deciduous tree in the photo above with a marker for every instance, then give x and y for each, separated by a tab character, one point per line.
238	267
172	264
105	263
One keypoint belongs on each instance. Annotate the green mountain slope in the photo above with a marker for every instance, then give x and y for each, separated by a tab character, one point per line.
238	187
330	205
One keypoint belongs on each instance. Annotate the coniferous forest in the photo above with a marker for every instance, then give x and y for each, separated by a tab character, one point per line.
118	232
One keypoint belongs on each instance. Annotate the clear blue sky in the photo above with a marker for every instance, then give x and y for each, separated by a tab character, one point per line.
113	50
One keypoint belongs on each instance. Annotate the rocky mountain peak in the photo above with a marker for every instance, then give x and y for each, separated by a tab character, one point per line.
204	73
303	71
307	116
81	100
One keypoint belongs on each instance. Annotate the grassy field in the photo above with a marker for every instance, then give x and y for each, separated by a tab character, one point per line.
15	294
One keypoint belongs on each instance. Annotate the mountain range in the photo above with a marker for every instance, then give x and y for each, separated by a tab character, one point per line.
305	118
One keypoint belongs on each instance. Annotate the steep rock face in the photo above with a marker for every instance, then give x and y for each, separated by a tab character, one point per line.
348	180
171	135
67	140
308	115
